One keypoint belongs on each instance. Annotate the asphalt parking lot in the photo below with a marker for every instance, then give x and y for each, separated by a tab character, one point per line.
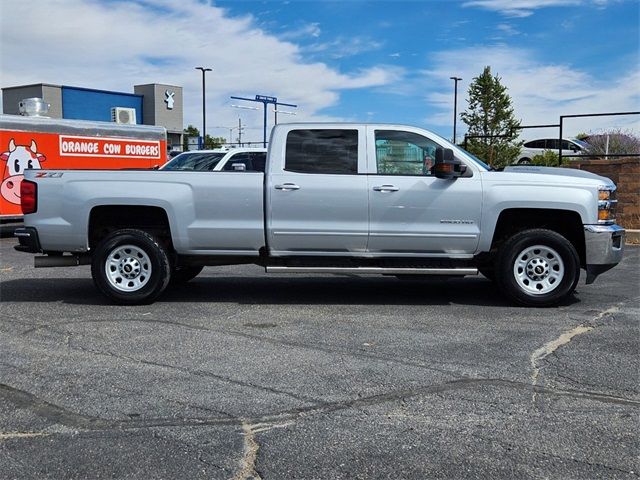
241	375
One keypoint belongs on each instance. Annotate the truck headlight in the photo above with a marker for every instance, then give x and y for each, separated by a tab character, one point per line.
607	205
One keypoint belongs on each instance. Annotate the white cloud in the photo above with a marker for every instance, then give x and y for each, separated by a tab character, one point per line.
507	29
305	31
540	92
525	8
118	44
343	47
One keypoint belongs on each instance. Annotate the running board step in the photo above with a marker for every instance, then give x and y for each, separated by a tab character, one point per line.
375	270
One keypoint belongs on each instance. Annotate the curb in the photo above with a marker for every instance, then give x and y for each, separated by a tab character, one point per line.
632	237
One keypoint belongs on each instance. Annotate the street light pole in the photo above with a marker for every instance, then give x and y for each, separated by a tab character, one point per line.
455	105
204	108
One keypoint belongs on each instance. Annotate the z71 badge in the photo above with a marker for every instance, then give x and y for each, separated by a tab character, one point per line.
49	174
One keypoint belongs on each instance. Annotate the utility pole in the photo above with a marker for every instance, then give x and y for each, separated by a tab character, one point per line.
265	101
455	106
204	107
239	132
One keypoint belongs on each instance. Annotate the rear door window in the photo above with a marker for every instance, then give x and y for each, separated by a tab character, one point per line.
325	151
552	143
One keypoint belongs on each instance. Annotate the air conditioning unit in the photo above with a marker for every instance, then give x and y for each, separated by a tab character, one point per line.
123	115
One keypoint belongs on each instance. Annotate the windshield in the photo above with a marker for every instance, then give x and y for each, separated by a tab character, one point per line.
581	143
201	161
474	158
464	153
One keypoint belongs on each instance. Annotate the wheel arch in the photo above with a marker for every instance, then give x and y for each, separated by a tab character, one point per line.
567	223
105	219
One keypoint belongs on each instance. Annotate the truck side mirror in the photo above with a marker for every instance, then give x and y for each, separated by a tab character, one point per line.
446	165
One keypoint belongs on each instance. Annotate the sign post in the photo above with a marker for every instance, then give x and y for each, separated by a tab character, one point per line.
265	100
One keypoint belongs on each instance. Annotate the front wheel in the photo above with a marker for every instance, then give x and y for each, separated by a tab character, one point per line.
538	268
130	267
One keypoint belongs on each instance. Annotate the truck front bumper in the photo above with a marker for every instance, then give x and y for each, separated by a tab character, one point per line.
28	240
604	248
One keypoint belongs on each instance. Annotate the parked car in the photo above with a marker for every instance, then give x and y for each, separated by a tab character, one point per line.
335	198
537	147
219	160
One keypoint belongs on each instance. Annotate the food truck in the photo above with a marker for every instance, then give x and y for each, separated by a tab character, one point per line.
50	143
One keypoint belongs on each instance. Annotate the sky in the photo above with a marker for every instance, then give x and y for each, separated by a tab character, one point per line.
347	60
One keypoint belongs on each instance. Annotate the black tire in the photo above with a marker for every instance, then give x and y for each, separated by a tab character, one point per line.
181	275
537	268
130	267
524	161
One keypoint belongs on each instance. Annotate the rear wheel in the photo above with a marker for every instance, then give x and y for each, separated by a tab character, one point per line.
524	161
537	267
130	267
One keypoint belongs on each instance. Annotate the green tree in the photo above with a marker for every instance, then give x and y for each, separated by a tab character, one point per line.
214	142
490	116
190	131
210	142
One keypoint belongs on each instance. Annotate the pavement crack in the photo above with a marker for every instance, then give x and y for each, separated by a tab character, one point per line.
510	446
12	435
248	462
539	355
261	423
585	384
550	347
379	357
200	373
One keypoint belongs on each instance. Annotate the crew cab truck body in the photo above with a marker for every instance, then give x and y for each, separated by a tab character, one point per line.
335	198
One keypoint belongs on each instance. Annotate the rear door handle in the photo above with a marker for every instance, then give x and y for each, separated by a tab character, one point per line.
386	188
287	186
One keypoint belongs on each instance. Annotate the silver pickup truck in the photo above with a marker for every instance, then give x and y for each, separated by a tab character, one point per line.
334	198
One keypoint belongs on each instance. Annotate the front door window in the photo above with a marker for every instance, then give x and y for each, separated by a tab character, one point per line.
404	153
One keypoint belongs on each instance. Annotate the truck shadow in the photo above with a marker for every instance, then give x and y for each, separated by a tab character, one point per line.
277	290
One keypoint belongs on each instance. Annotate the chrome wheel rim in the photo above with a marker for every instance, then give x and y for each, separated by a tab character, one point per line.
538	270
128	268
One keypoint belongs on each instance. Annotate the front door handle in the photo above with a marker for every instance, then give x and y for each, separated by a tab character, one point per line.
287	186
386	188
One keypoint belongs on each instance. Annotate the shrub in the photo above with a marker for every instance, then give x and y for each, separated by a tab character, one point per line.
548	159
